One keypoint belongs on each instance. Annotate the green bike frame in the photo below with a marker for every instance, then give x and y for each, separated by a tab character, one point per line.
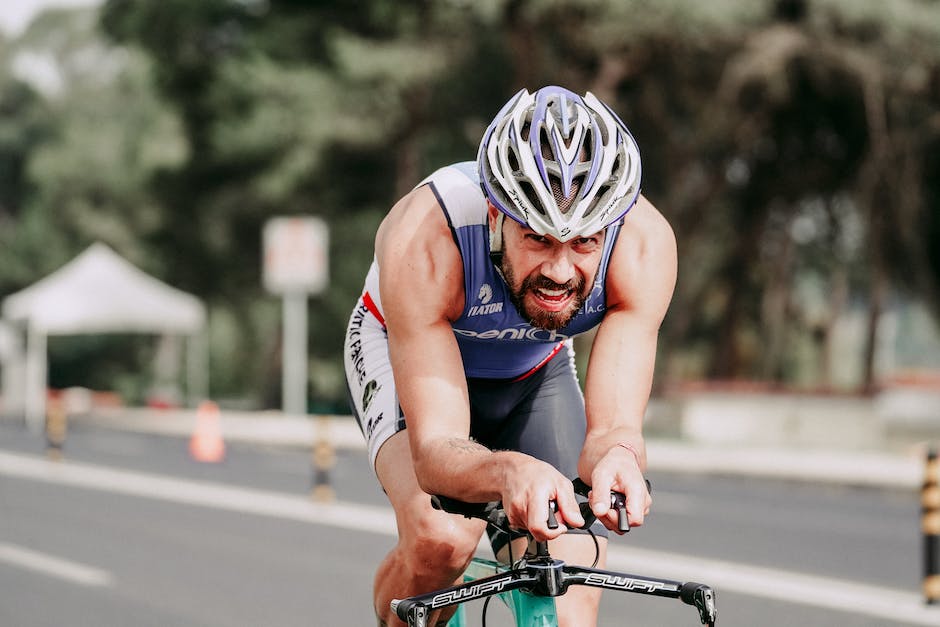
527	609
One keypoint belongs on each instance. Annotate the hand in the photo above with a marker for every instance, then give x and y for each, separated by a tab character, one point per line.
619	471
531	486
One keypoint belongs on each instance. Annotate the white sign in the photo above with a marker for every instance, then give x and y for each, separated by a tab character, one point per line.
296	255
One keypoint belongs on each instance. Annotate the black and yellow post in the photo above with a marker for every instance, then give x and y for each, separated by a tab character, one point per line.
56	427
323	458
930	525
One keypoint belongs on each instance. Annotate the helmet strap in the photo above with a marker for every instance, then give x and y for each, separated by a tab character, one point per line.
496	245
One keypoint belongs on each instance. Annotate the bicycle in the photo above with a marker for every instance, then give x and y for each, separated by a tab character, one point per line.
528	587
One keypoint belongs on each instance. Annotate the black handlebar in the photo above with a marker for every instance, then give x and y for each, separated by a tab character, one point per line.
542	575
494	514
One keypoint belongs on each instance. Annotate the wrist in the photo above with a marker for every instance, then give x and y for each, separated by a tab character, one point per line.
632	449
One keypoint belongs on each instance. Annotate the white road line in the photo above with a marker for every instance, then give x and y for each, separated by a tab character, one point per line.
780	585
54	566
788	586
205	494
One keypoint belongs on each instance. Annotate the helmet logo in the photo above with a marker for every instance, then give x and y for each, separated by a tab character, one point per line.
516	200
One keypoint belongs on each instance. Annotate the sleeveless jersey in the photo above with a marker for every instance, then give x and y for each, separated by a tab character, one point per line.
495	341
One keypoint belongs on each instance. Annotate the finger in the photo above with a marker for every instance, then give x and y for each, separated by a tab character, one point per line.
601	483
611	522
516	514
637	502
537	517
568	508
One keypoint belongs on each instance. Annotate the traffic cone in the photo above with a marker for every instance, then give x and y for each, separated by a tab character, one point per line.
206	443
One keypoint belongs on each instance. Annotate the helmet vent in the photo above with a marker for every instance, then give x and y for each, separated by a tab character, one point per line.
513	160
532	196
600	197
565	202
524	133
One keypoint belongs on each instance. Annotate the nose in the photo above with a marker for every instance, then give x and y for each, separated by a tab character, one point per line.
559	267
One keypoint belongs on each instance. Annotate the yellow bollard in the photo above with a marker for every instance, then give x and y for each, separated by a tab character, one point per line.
930	526
56	428
323	459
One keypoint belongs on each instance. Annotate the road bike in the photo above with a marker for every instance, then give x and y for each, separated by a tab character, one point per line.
529	586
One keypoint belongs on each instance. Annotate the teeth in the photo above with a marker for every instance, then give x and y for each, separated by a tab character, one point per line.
548	292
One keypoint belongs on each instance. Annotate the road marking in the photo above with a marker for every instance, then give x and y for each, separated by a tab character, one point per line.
201	493
54	566
781	585
791	587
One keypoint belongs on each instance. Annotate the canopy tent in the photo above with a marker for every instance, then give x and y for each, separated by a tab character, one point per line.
11	354
101	292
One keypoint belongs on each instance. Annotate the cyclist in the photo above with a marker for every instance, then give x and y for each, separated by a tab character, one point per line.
464	335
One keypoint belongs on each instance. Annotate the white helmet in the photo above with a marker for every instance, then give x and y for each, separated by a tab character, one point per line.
563	165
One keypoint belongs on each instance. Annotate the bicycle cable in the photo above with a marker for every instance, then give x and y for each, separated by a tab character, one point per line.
515	564
486	604
597	547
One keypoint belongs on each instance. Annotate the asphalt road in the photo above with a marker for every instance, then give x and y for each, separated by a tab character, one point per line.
130	531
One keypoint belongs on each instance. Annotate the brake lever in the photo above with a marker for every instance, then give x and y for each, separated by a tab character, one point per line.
618	502
552	521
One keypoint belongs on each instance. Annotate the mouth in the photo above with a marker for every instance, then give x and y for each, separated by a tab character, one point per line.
552	299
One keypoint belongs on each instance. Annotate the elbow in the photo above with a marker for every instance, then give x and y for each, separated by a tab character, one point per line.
426	472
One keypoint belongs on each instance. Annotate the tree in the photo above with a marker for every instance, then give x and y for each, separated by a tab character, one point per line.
792	144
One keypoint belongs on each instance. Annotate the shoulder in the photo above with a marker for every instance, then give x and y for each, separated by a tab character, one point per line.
416	254
645	235
644	262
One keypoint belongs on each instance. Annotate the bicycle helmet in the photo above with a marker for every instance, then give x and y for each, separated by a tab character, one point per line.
563	165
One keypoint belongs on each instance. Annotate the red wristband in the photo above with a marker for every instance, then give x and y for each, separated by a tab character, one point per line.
633	450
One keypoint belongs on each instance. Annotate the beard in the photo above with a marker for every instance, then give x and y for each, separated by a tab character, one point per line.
534	315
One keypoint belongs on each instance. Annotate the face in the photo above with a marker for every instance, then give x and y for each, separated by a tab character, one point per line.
548	280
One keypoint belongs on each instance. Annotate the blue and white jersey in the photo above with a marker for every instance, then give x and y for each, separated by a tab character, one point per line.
494	340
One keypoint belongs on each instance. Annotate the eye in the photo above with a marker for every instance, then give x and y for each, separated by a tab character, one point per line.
535	237
586	244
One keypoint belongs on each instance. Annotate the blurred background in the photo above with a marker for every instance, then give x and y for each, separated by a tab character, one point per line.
794	145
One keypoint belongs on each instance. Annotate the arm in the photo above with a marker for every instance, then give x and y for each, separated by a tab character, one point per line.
422	291
640	282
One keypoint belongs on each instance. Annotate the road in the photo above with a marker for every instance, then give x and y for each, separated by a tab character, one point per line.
129	531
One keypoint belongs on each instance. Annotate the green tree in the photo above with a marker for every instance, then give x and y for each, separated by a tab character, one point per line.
291	108
793	145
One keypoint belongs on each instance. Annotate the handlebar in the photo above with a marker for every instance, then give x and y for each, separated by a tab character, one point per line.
542	575
494	514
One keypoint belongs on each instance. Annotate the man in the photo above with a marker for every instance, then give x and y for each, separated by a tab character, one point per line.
463	335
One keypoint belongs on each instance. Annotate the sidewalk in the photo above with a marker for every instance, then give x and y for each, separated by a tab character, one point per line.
870	468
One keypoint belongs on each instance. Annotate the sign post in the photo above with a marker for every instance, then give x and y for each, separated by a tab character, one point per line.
296	264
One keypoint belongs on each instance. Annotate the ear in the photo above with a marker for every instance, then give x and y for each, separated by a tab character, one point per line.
493	213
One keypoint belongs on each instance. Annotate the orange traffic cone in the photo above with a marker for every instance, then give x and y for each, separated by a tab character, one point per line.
206	443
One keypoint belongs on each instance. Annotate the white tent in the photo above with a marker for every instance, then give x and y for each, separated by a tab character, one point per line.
11	359
100	292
